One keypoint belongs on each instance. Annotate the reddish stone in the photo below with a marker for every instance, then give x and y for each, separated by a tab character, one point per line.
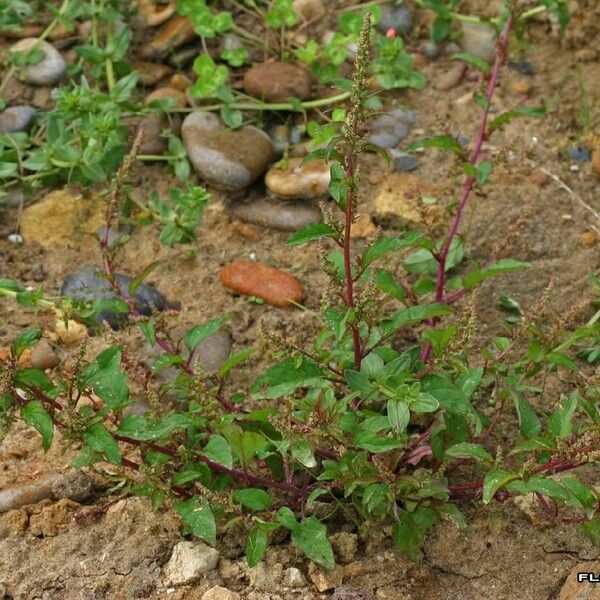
257	279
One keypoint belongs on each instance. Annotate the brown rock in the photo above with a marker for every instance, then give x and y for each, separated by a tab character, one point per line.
299	180
539	177
220	593
246	230
150	74
323	579
178	97
589	239
180	82
55	220
596	161
155	14
451	78
53	518
277	81
43	356
309	10
521	85
257	279
172	35
72	333
363	227
576	590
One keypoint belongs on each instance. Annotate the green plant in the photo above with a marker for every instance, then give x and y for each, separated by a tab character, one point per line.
338	421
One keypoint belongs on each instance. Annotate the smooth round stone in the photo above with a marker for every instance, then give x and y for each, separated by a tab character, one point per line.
49	70
149	73
173	34
43	356
87	283
451	78
399	18
153	125
389	129
430	49
226	159
297	180
251	278
308	10
285	215
383	139
17	118
278	81
479	39
522	66
284	136
177	97
580	154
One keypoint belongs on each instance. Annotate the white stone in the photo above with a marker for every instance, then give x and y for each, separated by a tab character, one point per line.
189	561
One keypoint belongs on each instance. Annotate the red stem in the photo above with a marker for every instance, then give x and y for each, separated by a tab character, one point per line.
442	256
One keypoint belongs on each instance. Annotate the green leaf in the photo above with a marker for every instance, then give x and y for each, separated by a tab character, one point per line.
24	341
99	439
385	245
310	535
398	415
474	61
137	281
505	265
302	452
560	424
528	421
35	378
416	314
585	496
284	378
443	142
313	231
423	262
253	498
412	527
373	443
234	360
387	283
256	545
338	186
195	335
34	414
198	519
509	115
219	451
541	485
468	450
494	480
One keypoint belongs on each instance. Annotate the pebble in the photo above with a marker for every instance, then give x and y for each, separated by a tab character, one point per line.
324	579
309	10
43	356
389	129
596	161
284	136
172	35
362	227
186	55
522	66
589	239
180	82
17	118
344	545
15	238
212	352
430	49
246	230
258	279
278	81
73	485
298	180
152	140
87	283
226	159
49	70
72	333
282	215
522	85
402	161
178	98
398	18
580	154
538	177
149	74
451	78
155	14
479	39
220	593
293	578
189	561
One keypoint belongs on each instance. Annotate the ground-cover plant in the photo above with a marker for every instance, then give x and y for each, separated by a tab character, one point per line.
355	423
